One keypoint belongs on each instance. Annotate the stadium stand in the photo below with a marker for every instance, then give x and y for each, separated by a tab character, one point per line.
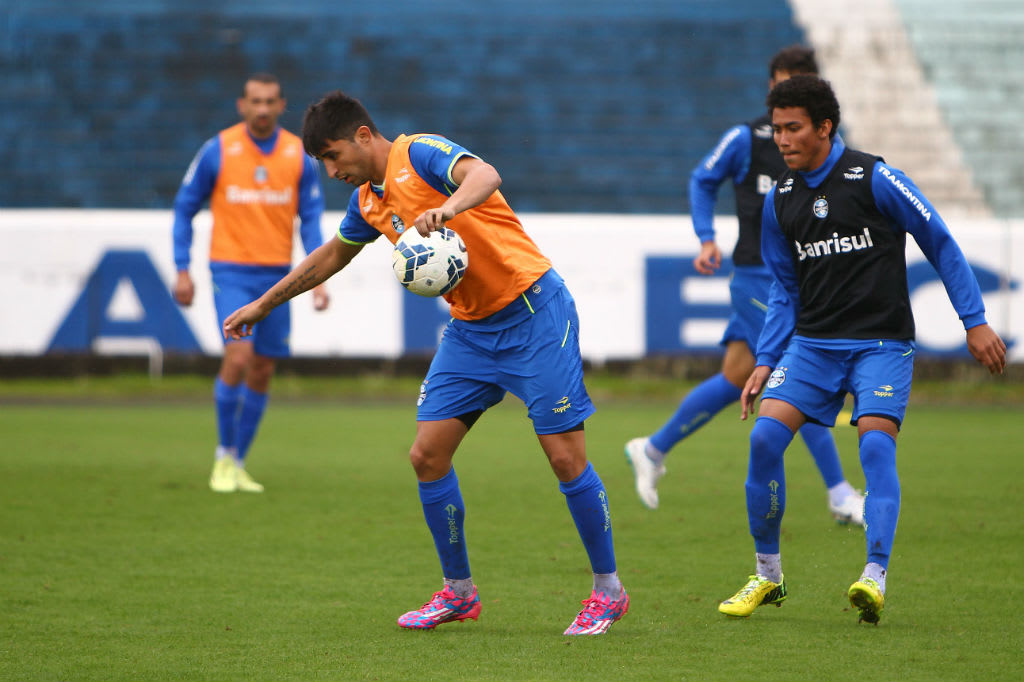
973	53
585	105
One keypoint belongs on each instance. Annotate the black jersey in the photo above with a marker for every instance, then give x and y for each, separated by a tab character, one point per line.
766	165
849	261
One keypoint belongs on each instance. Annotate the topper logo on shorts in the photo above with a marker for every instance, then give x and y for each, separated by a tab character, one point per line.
562	405
777	378
885	391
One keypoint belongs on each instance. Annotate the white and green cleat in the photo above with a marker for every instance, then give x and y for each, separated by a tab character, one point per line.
646	472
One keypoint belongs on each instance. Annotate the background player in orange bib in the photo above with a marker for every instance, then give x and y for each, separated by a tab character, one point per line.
257	179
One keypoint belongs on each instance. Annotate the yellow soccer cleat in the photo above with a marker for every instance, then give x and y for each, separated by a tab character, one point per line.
245	482
867	597
757	592
223	479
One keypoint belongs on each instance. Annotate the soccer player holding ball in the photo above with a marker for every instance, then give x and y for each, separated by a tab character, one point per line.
514	329
839	321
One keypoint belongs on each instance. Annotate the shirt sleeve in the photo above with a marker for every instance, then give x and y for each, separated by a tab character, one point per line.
354	229
784	296
433	158
311	205
729	158
903	204
196	187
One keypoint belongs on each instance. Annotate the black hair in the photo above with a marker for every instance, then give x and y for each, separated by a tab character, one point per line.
811	93
335	117
793	59
263	77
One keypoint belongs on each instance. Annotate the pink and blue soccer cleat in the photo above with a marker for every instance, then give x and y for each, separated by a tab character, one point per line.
598	614
444	607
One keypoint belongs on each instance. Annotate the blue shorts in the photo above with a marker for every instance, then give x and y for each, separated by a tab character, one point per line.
537	360
814	376
236	285
748	290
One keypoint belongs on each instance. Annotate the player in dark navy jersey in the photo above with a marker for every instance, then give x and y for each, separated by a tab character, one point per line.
839	321
747	155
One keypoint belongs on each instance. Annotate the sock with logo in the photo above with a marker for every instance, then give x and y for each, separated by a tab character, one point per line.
822	445
226	400
254	404
766	482
588	505
445	514
882	504
699	406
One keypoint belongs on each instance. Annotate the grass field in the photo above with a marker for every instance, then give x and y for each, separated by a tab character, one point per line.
118	563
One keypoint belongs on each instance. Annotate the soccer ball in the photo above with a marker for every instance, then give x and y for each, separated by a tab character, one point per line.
431	265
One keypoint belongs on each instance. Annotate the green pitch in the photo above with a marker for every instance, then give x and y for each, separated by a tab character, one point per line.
118	563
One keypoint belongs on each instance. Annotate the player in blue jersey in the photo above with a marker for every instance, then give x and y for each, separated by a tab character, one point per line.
257	179
839	321
746	155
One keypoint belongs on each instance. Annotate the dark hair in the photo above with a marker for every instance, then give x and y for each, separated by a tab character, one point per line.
262	77
811	93
793	59
335	117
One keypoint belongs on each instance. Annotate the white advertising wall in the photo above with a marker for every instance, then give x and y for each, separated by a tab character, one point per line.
99	281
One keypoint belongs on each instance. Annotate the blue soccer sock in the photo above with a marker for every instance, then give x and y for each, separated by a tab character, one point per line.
249	417
226	399
822	445
882	504
445	514
588	505
696	409
766	482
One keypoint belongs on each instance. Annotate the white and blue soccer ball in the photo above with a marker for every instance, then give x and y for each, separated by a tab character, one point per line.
431	265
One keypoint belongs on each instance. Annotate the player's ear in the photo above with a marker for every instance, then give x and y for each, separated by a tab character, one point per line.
363	134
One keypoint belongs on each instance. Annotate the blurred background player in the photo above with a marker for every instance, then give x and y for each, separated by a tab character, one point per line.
747	155
257	178
514	328
839	321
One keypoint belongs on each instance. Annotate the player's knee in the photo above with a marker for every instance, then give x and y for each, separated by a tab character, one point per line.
766	441
428	464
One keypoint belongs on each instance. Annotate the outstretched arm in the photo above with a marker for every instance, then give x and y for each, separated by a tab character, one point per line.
317	267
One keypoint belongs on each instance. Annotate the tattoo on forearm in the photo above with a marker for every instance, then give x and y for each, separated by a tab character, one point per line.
303	281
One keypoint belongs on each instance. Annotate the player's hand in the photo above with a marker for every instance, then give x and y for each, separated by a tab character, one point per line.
709	260
987	348
184	290
432	219
321	299
240	323
752	389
